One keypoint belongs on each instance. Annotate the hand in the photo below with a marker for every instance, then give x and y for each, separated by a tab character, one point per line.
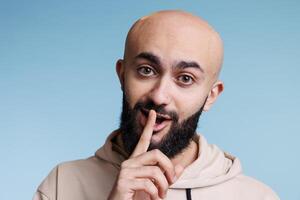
148	171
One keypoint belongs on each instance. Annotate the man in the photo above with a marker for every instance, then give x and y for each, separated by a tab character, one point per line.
169	75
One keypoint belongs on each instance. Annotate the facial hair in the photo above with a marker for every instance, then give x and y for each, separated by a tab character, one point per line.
174	142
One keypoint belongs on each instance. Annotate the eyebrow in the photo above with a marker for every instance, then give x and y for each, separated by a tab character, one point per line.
150	57
192	64
181	65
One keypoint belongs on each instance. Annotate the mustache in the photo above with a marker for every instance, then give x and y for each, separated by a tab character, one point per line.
159	109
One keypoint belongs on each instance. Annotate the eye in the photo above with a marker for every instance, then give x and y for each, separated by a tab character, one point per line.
185	79
146	71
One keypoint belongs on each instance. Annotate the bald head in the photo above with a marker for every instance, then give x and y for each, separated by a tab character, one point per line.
176	34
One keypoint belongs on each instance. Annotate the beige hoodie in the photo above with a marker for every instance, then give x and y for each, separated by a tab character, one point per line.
215	175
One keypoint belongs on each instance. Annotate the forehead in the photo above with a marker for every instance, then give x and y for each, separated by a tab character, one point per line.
171	42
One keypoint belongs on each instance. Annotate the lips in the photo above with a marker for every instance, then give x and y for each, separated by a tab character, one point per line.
161	122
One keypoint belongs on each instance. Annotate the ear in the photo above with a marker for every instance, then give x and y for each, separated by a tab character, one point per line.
120	72
216	90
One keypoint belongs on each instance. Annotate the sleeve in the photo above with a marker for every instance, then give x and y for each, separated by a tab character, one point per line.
48	188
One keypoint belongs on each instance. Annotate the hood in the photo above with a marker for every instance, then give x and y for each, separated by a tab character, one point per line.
213	166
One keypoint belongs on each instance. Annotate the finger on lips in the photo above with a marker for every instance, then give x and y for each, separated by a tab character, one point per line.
152	170
145	138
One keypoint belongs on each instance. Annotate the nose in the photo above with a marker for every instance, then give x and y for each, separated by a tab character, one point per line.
161	92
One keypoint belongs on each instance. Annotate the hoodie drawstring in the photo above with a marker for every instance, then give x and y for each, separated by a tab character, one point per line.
188	194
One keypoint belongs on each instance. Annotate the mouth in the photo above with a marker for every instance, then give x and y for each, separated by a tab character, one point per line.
161	122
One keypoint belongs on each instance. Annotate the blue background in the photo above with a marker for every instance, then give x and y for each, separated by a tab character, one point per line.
60	96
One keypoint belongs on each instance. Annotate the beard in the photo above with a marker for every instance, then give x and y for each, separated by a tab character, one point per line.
174	142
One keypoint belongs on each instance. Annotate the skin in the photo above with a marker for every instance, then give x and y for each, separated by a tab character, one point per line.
174	59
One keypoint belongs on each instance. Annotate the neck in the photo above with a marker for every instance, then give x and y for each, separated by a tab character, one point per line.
187	156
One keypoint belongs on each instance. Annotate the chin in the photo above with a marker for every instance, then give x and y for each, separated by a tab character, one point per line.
157	138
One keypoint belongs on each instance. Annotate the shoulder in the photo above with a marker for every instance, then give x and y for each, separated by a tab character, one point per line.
76	174
89	165
254	187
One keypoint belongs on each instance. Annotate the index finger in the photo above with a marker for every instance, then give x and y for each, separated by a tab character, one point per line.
145	138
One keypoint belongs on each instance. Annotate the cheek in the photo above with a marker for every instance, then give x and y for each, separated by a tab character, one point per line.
189	104
136	90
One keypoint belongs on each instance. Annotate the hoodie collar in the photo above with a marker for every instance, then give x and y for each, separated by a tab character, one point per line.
213	166
111	151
